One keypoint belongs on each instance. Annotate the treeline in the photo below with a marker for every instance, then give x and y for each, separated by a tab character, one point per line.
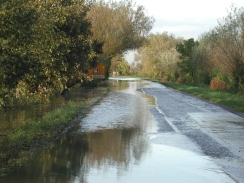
48	46
216	59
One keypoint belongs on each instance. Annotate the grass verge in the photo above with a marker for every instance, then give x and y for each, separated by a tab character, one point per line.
17	146
221	97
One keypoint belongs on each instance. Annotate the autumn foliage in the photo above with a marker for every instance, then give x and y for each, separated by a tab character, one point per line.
216	54
217	84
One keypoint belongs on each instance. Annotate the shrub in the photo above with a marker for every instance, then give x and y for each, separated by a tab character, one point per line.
217	84
165	79
180	80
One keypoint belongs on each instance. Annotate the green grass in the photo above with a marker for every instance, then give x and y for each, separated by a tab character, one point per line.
50	125
228	99
39	132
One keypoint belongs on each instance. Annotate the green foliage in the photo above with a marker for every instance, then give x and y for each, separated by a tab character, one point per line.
47	127
228	99
46	45
16	32
120	65
50	45
186	50
201	61
227	39
39	132
120	26
158	55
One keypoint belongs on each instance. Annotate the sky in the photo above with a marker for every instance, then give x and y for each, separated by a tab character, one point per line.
185	18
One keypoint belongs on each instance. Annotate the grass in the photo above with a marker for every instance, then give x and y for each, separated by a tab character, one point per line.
18	144
49	126
228	99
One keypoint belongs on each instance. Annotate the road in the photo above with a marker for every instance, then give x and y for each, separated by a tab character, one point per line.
143	132
217	132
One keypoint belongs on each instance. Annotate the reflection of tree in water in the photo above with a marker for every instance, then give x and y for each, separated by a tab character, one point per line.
115	147
116	85
60	162
116	140
64	161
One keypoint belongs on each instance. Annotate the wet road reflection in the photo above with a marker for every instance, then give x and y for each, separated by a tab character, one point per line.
118	141
162	164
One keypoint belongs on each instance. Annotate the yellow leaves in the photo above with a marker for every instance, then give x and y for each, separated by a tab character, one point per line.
113	25
159	56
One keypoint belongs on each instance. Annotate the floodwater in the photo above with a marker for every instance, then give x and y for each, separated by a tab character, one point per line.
13	118
118	141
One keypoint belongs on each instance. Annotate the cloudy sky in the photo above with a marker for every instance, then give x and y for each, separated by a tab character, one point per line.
187	18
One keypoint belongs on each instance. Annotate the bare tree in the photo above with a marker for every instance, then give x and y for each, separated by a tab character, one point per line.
228	39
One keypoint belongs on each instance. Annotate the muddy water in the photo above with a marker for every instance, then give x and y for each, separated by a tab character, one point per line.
118	142
12	119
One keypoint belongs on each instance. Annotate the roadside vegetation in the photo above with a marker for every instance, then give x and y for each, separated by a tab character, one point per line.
19	144
225	98
211	67
47	47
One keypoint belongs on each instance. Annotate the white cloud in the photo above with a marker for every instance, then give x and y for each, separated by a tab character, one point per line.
188	18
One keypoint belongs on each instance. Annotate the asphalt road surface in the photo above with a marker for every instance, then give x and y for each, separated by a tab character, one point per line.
217	132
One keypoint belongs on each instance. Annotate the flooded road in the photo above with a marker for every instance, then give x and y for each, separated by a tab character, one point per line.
122	139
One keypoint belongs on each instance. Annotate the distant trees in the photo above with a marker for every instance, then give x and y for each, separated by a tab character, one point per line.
120	26
46	46
120	65
186	66
217	56
202	61
158	56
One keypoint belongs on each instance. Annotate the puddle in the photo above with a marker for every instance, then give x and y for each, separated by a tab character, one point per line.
228	127
161	164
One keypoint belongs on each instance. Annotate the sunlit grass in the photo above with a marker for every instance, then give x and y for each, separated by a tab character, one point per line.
39	132
228	99
50	124
225	98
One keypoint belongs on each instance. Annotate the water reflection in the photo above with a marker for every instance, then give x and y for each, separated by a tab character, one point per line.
57	163
117	128
111	135
11	119
118	141
115	148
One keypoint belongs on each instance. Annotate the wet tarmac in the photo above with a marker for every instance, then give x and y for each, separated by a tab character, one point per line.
138	133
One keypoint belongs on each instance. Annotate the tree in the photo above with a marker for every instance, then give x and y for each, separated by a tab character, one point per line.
120	26
186	65
120	65
202	60
44	45
17	19
158	56
228	42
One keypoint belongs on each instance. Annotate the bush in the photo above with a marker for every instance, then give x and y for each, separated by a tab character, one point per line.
165	79
169	77
218	84
180	80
